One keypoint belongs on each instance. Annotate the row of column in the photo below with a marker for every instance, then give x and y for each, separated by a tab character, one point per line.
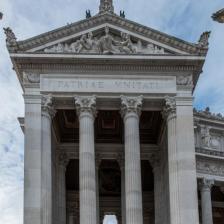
86	110
183	206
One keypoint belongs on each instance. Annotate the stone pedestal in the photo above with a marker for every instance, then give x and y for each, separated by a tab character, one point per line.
131	107
46	175
85	107
205	186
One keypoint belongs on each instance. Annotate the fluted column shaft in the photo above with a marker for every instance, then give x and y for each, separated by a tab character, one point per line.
206	201
131	107
122	169
46	159
98	161
155	161
63	161
87	176
170	116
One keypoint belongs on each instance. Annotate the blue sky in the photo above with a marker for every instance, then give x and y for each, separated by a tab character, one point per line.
185	19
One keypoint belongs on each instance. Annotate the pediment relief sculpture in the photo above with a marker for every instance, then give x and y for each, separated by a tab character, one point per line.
106	44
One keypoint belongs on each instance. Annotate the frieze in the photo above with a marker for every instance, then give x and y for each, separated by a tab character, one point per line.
105	85
106	44
210	166
104	67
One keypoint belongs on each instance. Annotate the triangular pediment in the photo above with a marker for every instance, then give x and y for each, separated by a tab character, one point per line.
108	34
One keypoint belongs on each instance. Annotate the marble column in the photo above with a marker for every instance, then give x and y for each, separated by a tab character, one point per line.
62	163
46	175
131	110
183	203
32	160
120	160
205	186
155	162
98	162
86	110
169	113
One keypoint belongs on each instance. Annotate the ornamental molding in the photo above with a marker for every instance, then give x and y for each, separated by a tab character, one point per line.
103	67
169	109
85	104
206	184
210	166
185	80
131	105
48	106
113	19
31	78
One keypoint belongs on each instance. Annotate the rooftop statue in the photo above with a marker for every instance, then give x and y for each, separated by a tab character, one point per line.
203	41
106	6
10	37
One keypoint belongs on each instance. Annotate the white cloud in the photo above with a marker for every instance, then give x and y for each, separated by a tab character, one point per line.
186	19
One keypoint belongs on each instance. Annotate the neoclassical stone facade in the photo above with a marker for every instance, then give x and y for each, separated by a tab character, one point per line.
110	128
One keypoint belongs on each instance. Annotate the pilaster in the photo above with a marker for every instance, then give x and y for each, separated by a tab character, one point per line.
32	160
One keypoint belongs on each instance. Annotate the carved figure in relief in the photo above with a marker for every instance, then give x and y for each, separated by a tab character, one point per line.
205	136
126	44
107	43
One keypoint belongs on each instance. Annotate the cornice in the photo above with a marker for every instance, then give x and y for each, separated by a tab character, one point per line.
207	116
114	20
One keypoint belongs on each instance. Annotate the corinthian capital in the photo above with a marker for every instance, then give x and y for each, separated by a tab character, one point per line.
169	108
206	184
48	106
85	104
131	105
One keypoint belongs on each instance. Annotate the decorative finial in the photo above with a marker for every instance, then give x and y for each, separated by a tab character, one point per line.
203	41
106	6
219	16
10	37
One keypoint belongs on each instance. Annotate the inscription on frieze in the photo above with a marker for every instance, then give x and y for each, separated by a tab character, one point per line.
103	85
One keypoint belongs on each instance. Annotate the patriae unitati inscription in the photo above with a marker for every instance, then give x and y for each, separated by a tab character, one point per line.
98	85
